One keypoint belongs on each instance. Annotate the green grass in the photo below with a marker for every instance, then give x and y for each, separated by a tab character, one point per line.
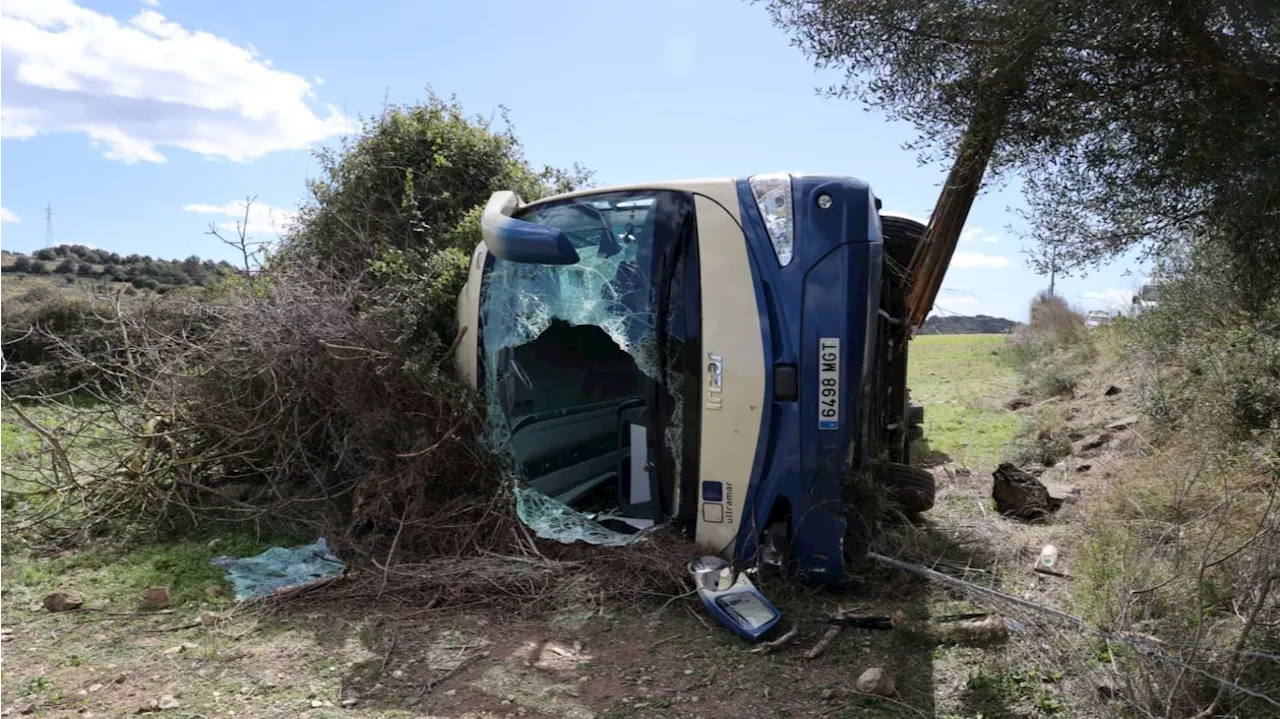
963	381
112	576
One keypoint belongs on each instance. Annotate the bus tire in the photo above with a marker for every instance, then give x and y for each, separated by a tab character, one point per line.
911	488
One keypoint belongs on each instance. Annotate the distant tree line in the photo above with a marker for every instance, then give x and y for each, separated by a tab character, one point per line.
962	325
142	271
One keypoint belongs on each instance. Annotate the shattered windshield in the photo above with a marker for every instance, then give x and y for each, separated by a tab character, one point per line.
574	366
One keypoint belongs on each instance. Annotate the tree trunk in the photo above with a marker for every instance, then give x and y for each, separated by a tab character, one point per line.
993	103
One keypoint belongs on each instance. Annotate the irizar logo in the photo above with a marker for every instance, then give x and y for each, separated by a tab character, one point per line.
715	381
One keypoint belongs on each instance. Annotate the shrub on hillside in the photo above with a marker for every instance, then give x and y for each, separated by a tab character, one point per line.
1211	356
1053	349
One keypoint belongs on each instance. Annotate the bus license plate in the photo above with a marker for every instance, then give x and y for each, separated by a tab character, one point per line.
829	383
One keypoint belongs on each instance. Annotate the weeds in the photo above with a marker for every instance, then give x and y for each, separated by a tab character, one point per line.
1053	351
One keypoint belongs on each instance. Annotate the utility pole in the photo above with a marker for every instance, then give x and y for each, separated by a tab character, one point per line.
48	225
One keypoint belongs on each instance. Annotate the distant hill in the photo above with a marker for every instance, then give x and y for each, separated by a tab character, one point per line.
143	272
964	325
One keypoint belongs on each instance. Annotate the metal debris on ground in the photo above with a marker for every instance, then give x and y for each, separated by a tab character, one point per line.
280	569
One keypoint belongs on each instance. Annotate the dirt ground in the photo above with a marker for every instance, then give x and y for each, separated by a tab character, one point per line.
209	657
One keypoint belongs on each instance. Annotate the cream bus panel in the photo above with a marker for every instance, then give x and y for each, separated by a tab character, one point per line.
469	320
733	375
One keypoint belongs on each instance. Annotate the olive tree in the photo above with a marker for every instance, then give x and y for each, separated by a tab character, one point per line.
1133	123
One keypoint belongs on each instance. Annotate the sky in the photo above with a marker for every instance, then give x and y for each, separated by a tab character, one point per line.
142	123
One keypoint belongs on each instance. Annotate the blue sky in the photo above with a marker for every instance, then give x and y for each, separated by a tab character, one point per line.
141	121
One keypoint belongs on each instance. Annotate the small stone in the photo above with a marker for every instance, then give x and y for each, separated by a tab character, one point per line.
62	602
451	693
510	697
687	672
173	650
95	688
828	693
156	598
876	681
397	673
316	703
1123	423
167	702
350	701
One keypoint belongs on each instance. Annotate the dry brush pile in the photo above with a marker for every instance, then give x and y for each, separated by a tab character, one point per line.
317	397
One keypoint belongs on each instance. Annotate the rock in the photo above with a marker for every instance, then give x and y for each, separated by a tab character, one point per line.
876	681
1124	423
1111	391
1018	494
62	602
1067	493
828	693
350	702
167	702
156	598
94	688
1092	443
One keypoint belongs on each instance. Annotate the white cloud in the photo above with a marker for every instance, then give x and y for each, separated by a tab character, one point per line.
137	86
263	219
978	260
152	3
991	239
7	216
969	233
1112	298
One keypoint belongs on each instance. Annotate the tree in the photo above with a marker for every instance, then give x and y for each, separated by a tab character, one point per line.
194	269
1142	123
39	268
84	269
445	166
46	254
22	263
66	266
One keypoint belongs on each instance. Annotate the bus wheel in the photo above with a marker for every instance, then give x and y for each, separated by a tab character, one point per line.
912	488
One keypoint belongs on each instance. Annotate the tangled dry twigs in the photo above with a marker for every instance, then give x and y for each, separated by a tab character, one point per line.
301	408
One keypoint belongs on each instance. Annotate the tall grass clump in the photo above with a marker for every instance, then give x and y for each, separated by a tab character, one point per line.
1051	351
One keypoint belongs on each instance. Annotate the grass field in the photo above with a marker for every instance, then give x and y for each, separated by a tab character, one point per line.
963	382
379	658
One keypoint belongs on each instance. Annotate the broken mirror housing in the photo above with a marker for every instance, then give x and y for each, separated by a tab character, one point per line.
520	241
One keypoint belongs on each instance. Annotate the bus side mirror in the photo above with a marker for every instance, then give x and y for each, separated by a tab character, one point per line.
518	241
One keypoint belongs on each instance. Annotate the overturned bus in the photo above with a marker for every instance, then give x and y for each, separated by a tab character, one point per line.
727	356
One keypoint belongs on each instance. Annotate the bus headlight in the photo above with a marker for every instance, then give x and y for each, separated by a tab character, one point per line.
773	197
